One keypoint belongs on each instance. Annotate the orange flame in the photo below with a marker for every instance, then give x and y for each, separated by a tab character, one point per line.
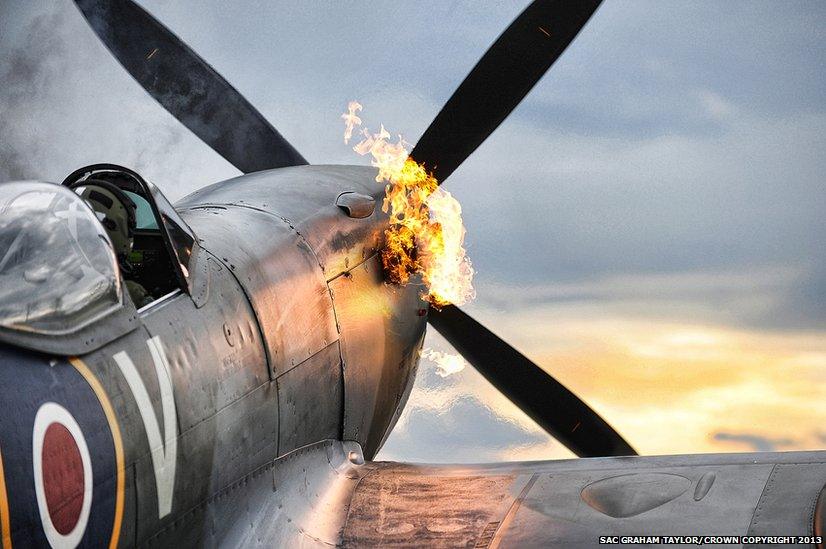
426	234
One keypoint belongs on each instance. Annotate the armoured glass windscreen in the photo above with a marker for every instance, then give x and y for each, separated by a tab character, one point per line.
183	244
58	272
144	217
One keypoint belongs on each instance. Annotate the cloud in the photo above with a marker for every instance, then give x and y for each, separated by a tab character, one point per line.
467	431
756	443
665	385
602	207
27	69
772	296
65	102
715	106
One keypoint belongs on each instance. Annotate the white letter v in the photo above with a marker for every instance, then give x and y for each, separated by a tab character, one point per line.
164	451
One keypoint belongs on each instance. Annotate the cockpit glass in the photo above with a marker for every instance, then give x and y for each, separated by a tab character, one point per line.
180	234
58	271
145	219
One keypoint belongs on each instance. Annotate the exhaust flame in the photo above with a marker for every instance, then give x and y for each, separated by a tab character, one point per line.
426	234
351	120
446	363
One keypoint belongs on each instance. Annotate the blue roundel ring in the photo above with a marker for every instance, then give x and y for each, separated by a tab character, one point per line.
61	454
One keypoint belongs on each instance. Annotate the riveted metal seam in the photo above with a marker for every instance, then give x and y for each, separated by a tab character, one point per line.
504	524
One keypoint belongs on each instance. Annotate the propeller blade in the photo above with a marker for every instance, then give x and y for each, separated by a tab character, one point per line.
187	87
499	81
556	409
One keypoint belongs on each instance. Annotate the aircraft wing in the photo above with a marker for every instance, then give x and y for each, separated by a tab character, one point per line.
321	495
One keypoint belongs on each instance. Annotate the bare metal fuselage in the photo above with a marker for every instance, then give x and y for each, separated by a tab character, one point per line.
340	342
294	339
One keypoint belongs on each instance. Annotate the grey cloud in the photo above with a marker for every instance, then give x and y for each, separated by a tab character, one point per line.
776	297
754	442
65	102
26	70
598	207
803	304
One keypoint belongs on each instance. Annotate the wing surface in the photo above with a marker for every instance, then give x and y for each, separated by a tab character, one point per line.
323	495
574	502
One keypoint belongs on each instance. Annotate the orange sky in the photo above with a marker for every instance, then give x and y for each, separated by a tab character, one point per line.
669	385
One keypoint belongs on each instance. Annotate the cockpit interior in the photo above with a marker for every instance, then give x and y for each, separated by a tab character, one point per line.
124	207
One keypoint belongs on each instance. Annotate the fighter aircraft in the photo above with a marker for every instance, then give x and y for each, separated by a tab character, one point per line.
222	371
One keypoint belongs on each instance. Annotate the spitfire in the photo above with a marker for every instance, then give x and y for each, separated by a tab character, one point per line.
426	234
229	380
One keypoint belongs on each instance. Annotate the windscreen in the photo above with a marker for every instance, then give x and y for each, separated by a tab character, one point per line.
180	235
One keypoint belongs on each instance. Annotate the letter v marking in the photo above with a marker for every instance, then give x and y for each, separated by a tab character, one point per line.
164	451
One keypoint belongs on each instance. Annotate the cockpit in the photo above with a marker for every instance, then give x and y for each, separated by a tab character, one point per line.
120	203
70	255
131	215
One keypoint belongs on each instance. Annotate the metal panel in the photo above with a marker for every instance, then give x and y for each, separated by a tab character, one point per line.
450	510
381	334
787	505
129	526
215	353
38	391
215	453
305	197
578	507
321	496
106	371
227	412
280	276
294	501
310	401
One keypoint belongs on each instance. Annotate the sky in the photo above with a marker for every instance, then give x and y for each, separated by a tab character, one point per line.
647	225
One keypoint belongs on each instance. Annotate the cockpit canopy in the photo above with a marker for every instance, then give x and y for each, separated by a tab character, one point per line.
57	265
154	214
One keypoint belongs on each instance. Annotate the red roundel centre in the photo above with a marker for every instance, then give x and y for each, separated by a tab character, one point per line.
62	477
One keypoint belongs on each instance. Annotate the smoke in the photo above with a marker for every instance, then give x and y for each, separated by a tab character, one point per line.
26	73
65	102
